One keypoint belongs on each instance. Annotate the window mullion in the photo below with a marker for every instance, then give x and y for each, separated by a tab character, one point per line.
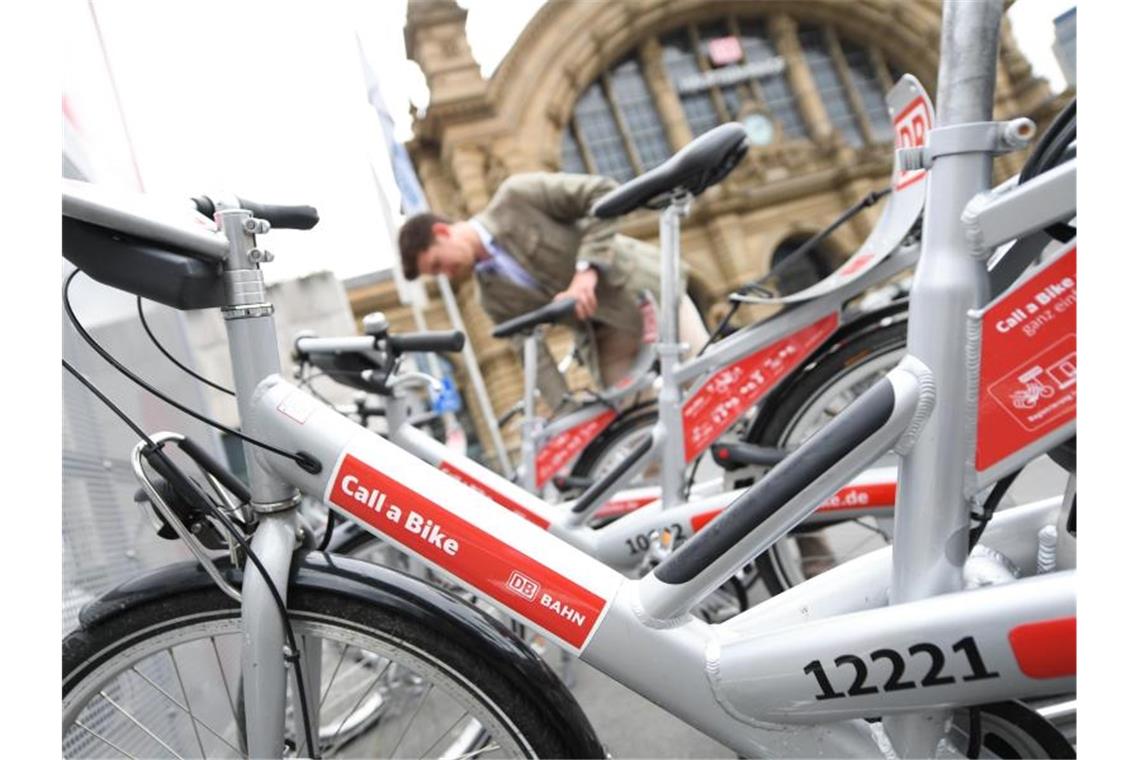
836	52
623	127
703	64
583	147
752	84
882	73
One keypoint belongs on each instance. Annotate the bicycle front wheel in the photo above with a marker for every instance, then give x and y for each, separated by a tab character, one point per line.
163	680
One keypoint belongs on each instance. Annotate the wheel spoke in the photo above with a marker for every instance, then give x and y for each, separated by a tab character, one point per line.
141	727
225	683
363	694
328	686
188	709
106	741
408	725
445	733
182	707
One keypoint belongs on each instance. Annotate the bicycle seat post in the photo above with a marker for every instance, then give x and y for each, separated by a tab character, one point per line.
668	429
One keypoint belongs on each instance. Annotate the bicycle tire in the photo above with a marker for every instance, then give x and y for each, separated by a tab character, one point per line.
638	419
513	696
779	418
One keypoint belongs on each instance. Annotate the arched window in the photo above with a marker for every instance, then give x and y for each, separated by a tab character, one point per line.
728	69
805	270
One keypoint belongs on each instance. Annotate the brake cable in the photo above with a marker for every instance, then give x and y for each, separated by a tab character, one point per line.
293	655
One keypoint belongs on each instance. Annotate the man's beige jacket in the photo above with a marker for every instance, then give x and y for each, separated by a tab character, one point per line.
543	221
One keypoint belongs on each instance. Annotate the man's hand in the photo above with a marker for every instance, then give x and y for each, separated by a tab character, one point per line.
581	289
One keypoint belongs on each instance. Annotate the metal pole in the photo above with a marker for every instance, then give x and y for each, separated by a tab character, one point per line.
472	365
932	515
668	348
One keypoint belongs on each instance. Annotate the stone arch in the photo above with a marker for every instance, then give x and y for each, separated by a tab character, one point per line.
567	45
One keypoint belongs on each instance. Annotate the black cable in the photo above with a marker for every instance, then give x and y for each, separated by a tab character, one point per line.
693	474
734	306
156	449
330	523
1031	168
870	199
974	745
990	505
99	394
168	355
303	461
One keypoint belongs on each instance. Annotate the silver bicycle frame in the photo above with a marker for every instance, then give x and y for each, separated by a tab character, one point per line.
896	633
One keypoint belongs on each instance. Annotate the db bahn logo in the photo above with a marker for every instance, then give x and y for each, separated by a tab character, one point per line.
523	586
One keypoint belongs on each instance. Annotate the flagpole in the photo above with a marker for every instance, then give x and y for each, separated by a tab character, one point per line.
413	293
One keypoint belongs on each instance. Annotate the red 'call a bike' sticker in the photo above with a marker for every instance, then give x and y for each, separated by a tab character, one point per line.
1046	648
520	582
564	446
1028	382
500	499
733	390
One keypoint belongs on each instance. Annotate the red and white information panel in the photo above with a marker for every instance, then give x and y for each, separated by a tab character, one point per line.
564	594
1028	382
730	392
566	445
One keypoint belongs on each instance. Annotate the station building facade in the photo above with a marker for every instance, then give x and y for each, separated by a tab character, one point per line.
616	87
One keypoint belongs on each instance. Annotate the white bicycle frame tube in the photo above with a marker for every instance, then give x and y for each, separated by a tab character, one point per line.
726	668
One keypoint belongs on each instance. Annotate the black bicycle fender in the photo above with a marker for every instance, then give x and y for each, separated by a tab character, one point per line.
411	597
892	312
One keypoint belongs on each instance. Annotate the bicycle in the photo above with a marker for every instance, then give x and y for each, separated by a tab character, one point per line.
614	448
937	666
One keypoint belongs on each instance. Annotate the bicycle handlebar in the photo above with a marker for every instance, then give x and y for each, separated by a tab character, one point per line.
431	341
281	217
552	312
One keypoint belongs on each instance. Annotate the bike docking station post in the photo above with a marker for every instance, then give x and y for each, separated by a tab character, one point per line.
254	356
932	511
669	351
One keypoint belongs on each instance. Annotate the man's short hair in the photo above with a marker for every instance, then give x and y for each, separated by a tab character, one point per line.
415	238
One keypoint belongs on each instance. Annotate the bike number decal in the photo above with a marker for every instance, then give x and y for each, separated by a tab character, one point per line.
912	125
500	499
516	580
565	446
730	392
1028	381
853	676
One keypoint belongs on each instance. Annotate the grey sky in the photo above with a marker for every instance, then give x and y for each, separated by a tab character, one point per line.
267	99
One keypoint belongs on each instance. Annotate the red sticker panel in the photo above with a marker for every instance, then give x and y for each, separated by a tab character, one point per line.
1028	384
616	507
732	391
500	499
518	581
912	125
565	446
1047	648
861	496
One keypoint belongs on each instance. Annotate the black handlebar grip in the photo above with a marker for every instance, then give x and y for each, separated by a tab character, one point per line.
215	468
204	205
430	341
283	217
552	312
